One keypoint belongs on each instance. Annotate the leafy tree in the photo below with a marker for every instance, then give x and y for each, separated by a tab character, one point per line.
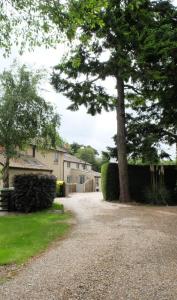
147	128
88	154
136	37
74	147
123	31
33	23
25	117
100	160
38	20
158	62
60	142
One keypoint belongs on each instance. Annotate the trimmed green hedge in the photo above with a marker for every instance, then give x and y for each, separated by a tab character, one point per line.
34	192
109	181
60	188
157	185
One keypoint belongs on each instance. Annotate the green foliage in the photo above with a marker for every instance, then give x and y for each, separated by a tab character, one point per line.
123	45
57	206
60	188
160	196
23	236
25	117
86	153
146	131
7	199
146	186
34	192
74	147
60	142
44	22
109	182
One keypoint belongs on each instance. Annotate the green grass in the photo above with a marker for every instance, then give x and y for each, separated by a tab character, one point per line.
23	236
57	206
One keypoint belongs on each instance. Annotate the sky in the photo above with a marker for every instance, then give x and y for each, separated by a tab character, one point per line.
77	126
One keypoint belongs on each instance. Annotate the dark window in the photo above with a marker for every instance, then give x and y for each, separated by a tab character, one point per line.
69	179
81	179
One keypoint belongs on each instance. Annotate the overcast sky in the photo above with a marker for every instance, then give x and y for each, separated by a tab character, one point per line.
77	126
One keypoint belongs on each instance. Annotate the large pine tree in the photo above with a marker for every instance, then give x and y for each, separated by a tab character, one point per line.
121	45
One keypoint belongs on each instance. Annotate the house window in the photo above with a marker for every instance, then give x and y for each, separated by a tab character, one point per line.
77	165
56	157
68	164
69	179
81	179
84	167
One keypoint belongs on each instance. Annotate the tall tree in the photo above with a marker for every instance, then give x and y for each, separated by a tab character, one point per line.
120	46
88	154
107	49
74	147
25	117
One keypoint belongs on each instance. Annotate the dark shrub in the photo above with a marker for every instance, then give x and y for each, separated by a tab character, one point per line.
34	192
110	181
139	180
7	199
154	185
60	188
158	196
170	180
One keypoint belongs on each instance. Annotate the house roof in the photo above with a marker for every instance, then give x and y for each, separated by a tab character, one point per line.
25	162
54	149
71	158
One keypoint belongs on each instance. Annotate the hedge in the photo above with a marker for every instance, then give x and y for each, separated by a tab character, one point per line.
148	184
34	192
60	188
109	181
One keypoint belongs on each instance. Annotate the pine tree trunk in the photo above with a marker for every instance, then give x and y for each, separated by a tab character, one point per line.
121	143
6	173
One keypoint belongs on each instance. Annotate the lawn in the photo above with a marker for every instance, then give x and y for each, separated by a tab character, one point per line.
23	236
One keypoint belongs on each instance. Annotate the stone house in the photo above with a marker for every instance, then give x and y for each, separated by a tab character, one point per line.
56	162
79	172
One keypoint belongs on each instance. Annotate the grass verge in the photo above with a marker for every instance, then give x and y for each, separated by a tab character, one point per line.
57	206
23	236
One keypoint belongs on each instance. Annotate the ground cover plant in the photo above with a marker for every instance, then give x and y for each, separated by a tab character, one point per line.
57	206
23	236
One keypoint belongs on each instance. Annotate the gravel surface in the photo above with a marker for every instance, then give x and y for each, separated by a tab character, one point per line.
113	252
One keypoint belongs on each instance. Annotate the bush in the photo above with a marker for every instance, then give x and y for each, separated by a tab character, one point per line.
157	186
7	199
160	196
110	181
60	188
34	192
139	180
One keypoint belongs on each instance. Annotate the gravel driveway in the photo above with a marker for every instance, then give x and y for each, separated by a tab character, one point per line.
113	252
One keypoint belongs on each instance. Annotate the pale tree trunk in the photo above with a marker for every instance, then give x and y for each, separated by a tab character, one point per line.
6	173
121	143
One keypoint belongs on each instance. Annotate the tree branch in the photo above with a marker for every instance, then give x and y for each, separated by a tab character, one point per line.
128	86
